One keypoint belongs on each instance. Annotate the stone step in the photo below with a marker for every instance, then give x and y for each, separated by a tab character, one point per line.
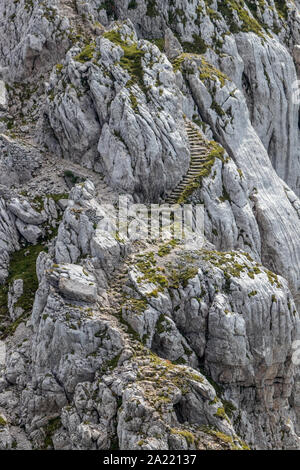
179	188
192	178
177	191
187	178
199	154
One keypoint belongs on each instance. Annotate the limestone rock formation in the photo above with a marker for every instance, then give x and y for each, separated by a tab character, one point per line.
113	342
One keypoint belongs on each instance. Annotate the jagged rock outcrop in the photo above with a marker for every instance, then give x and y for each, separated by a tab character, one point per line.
232	125
24	222
75	337
259	65
254	350
72	337
30	34
82	234
125	120
108	342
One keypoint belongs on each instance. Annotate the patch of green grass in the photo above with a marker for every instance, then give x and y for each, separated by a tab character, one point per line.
151	274
131	60
112	364
152	10
209	72
2	422
109	7
166	248
22	266
132	5
198	45
137	305
282	8
224	438
160	324
217	108
53	425
252	293
189	437
87	53
247	23
70	175
160	43
228	407
182	275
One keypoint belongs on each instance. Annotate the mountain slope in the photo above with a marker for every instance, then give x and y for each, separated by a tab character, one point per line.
110	343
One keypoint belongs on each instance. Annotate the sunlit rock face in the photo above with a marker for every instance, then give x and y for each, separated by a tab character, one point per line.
111	343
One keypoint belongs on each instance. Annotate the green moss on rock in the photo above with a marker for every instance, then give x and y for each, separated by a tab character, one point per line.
132	58
22	266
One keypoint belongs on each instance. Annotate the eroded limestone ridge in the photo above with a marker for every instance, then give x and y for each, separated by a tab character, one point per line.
107	343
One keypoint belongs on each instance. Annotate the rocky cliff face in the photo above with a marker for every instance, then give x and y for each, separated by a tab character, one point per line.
110	343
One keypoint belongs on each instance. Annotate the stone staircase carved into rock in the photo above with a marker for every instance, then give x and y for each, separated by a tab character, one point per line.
200	149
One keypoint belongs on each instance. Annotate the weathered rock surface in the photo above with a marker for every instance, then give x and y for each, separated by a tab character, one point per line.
255	346
126	121
23	222
107	342
29	42
17	162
